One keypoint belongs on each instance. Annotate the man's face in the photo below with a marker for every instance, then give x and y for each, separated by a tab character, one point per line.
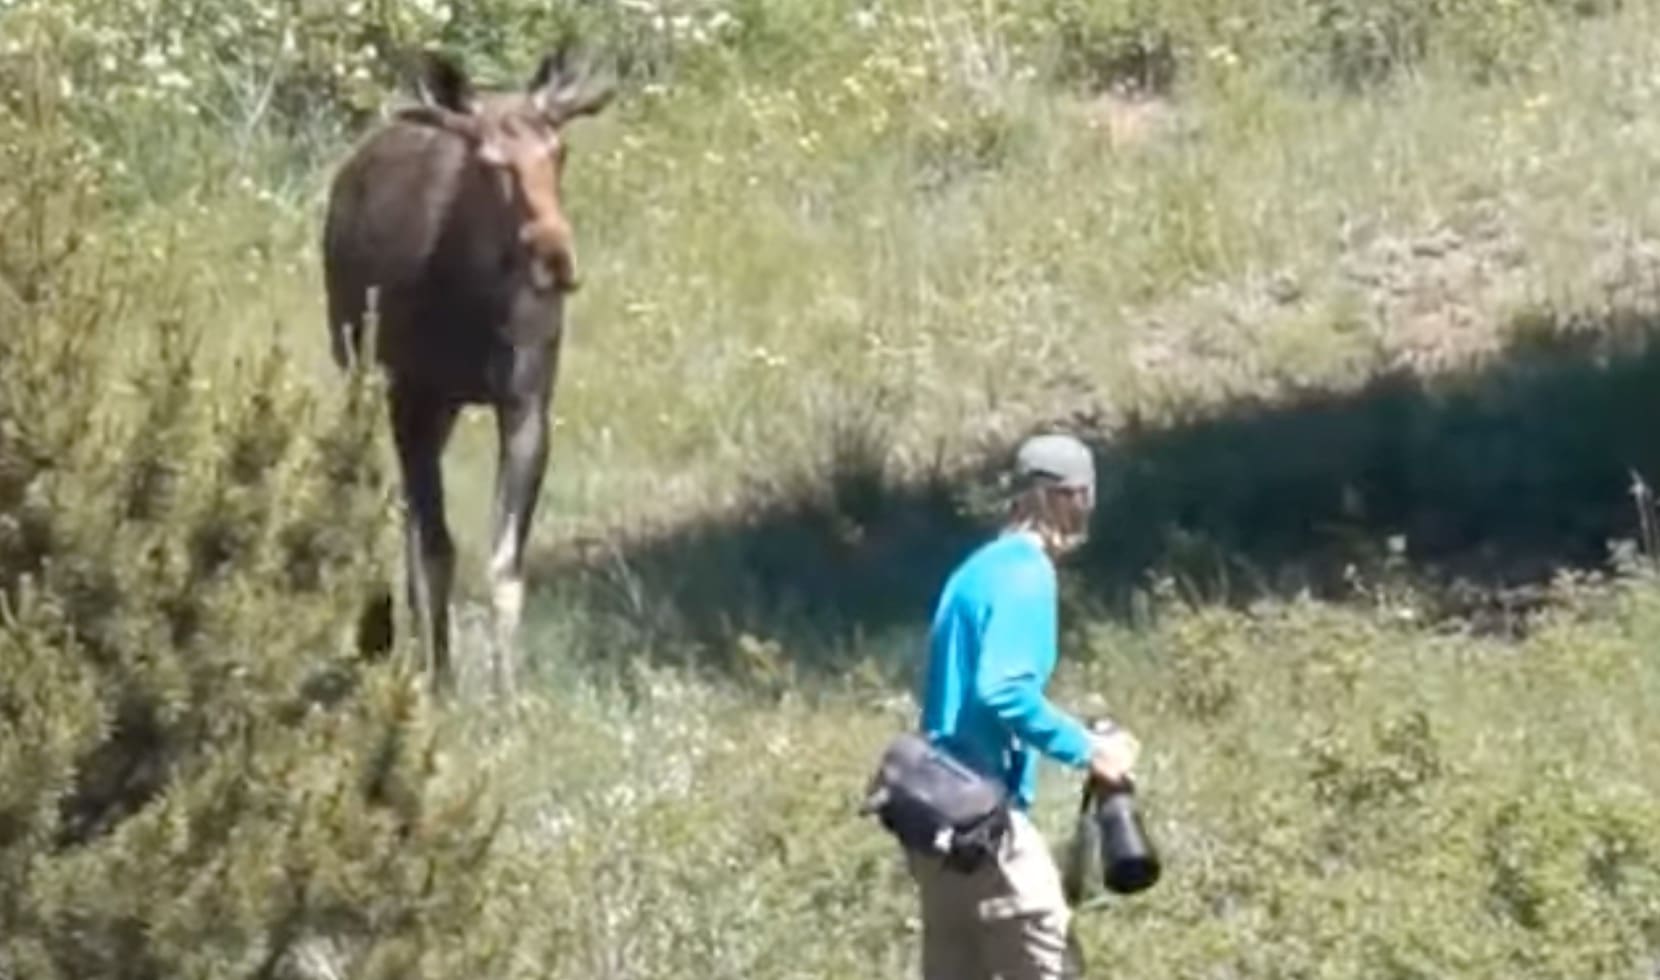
1071	507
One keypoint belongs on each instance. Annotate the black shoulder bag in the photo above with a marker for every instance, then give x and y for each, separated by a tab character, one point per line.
936	805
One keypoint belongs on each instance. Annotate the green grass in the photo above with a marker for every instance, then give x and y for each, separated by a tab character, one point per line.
1333	790
1312	829
761	260
826	282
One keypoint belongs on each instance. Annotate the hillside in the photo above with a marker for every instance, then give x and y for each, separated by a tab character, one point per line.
1356	300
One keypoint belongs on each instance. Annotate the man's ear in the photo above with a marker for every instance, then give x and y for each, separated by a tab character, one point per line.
441	82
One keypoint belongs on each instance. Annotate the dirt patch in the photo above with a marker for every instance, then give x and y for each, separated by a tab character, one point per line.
1436	298
1442	299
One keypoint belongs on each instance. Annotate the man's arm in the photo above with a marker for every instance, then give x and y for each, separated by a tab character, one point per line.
1016	656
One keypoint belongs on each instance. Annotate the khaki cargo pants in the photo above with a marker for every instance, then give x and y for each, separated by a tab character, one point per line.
1007	921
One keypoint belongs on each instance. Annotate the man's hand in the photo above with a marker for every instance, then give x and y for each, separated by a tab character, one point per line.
1114	756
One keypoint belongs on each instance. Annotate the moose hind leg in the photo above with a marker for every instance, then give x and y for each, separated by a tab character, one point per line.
421	425
523	427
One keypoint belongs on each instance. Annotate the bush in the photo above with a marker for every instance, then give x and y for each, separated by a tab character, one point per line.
1364	43
200	773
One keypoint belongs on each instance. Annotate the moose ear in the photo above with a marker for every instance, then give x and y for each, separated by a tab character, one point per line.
440	82
561	92
551	69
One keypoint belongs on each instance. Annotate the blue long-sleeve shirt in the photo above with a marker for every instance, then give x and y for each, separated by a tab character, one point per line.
991	652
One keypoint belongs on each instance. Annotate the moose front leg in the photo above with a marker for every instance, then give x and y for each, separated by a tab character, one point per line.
522	424
421	424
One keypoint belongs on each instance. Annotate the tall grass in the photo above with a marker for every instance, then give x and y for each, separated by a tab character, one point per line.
903	214
912	207
931	227
1336	792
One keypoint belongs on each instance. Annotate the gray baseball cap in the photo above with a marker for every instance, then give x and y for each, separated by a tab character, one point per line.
1055	457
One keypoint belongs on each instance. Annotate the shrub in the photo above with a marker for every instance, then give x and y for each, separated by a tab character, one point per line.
200	773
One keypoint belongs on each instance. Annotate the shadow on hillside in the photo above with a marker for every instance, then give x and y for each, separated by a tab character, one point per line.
1487	481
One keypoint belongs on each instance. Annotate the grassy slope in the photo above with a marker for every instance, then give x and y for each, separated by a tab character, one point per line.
763	265
1336	791
1339	789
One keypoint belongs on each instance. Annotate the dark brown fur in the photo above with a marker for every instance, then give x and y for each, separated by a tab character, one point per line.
449	219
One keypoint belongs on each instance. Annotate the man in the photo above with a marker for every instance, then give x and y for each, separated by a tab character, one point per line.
992	650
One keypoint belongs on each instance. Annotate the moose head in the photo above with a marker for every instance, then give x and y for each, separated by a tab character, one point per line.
518	135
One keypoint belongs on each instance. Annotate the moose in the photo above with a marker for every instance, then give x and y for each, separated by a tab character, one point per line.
446	229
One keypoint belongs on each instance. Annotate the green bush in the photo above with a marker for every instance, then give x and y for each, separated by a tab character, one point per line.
201	775
1363	43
